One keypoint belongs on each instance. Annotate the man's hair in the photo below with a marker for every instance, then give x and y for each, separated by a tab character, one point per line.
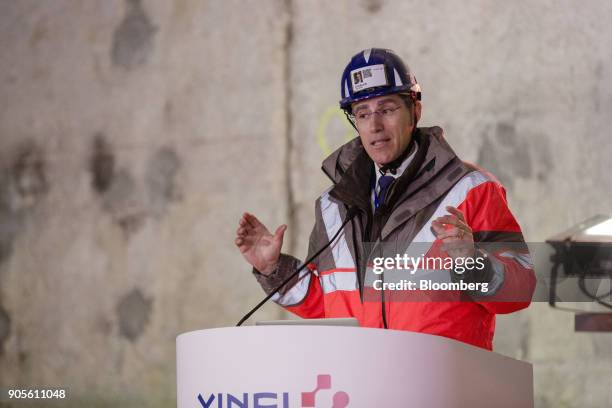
408	99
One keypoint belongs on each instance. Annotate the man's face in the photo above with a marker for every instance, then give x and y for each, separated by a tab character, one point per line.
386	134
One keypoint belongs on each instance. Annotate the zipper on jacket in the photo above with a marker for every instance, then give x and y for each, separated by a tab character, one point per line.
357	261
367	237
382	292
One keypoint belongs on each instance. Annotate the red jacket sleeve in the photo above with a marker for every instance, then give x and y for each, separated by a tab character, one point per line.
498	234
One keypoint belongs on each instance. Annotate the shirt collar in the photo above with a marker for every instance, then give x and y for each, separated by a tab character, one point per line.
400	169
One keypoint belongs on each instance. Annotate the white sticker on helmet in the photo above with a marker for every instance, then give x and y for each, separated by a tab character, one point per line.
398	80
368	77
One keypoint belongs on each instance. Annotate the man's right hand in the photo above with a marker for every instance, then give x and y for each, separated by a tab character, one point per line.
258	246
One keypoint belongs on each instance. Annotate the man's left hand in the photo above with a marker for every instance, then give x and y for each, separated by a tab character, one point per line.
455	234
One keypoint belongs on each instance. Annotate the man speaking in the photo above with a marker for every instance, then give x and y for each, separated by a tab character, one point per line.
404	185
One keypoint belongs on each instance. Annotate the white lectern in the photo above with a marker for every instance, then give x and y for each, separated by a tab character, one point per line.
316	366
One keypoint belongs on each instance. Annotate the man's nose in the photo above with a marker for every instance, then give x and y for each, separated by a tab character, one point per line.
376	122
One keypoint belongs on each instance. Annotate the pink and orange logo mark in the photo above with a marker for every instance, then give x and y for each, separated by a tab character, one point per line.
339	400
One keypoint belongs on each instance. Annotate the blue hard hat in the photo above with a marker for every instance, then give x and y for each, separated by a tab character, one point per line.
376	72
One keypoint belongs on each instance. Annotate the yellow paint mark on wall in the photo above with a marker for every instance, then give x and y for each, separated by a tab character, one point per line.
322	137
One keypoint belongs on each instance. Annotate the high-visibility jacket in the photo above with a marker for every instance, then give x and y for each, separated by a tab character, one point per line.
340	282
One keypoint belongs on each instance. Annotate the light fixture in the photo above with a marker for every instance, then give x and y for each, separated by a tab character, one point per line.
585	251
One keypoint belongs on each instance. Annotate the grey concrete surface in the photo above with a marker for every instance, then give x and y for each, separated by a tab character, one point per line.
134	133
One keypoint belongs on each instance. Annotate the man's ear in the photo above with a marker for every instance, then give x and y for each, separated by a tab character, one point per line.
417	111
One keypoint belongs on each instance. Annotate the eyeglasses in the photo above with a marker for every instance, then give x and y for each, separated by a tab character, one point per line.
364	116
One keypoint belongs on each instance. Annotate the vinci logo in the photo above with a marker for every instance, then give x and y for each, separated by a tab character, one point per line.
275	400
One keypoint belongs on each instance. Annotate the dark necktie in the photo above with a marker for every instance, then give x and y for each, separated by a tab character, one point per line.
383	182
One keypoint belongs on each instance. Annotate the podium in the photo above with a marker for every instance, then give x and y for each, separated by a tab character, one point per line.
322	366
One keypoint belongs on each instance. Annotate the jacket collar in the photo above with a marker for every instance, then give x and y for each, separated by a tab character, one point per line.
336	164
353	183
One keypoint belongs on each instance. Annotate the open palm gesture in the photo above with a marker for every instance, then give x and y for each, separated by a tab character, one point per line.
257	244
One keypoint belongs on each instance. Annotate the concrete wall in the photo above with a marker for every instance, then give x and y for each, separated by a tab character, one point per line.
134	133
